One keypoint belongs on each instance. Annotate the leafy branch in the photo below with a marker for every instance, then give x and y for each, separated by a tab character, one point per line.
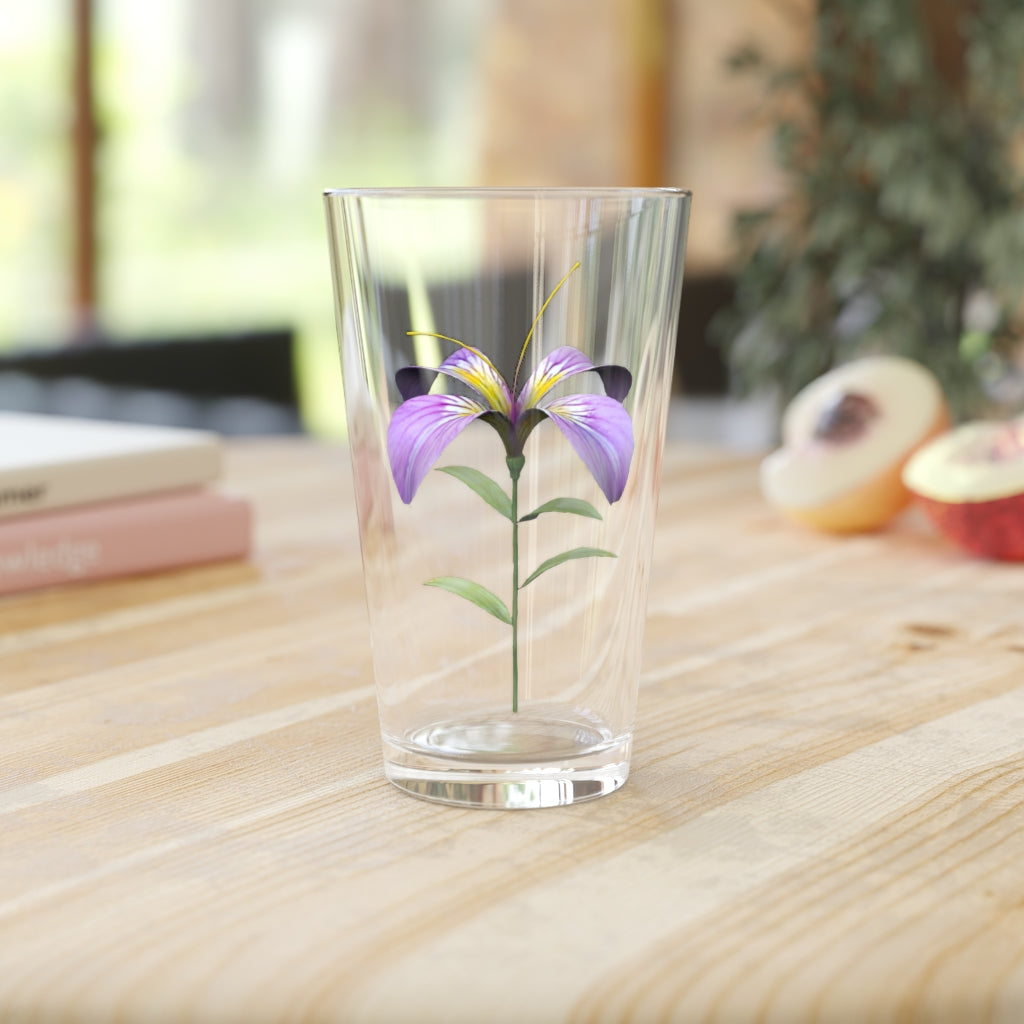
902	229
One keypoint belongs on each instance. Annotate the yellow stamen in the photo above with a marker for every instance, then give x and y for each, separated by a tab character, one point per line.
536	320
455	341
496	395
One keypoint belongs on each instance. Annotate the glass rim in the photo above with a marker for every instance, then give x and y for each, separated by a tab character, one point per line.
508	192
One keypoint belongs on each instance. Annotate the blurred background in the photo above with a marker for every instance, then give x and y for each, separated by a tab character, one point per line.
856	167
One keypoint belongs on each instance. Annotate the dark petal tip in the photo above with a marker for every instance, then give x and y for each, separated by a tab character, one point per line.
413	381
617	381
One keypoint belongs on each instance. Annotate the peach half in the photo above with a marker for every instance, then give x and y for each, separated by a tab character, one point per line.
845	439
970	483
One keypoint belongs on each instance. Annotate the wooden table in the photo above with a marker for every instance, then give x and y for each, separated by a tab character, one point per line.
825	819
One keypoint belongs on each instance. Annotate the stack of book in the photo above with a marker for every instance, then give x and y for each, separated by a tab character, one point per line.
87	499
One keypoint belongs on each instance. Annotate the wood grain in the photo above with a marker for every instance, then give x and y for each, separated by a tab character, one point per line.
823	822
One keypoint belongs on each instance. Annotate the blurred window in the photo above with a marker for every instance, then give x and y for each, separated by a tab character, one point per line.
219	126
225	122
35	175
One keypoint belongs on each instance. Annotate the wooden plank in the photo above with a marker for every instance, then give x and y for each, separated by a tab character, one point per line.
822	822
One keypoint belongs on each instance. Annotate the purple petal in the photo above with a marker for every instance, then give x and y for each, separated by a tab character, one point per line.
420	430
468	365
601	433
473	368
567	362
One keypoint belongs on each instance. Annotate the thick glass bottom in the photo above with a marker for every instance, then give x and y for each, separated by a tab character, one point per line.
509	761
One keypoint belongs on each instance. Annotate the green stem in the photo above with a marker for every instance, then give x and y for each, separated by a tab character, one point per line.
515	468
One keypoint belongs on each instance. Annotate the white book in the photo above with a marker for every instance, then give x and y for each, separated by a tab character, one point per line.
49	462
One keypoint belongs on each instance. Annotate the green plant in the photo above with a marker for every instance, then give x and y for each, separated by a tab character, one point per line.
903	225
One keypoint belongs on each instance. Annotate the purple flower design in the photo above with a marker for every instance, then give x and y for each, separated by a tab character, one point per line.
597	426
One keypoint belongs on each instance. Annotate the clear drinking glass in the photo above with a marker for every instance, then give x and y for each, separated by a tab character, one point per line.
506	505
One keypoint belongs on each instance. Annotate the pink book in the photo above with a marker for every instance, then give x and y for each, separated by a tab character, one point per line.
120	538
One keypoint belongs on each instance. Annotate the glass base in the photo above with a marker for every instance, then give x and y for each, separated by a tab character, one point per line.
508	761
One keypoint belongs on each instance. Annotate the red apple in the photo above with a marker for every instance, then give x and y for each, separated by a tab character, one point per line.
845	439
970	482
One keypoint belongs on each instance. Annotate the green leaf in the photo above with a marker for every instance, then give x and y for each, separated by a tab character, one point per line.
484	486
574	506
480	596
566	556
